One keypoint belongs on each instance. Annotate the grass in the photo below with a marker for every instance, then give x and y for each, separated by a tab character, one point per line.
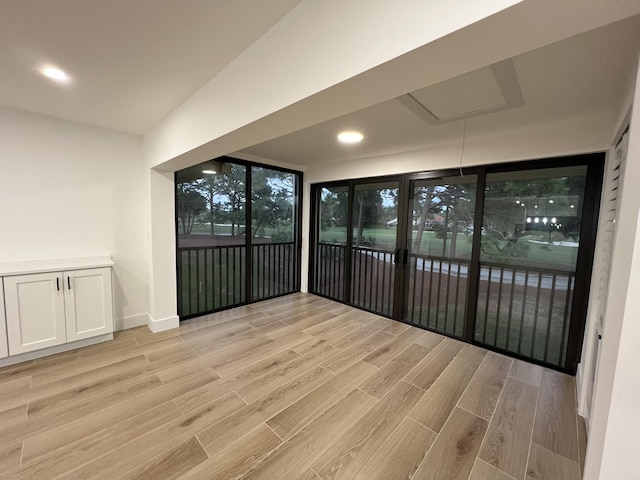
539	255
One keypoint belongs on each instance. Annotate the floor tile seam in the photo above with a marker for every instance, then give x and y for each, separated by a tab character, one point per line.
490	421
404	378
533	426
67	406
478	459
497	401
128	419
263	397
202	447
89	369
557	455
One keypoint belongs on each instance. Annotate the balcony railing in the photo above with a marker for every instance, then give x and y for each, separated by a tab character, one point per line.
437	293
213	278
372	275
525	310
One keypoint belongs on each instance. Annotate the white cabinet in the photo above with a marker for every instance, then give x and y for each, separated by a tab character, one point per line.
87	303
35	311
4	350
48	309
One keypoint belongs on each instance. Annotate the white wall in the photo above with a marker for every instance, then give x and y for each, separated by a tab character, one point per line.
612	451
70	190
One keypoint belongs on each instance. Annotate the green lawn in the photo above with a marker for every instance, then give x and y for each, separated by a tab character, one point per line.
541	255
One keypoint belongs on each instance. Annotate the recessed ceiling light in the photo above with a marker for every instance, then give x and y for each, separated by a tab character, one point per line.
55	74
350	137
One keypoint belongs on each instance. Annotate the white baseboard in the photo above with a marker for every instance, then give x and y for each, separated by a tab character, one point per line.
131	321
65	347
162	324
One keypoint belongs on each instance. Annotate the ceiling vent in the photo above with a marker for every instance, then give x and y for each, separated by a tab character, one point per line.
487	90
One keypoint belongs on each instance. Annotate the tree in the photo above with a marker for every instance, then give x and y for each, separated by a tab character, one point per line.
190	205
366	206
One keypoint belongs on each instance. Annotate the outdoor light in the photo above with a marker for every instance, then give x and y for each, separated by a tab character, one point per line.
209	172
535	206
522	204
545	220
572	206
528	219
553	220
550	201
536	220
517	201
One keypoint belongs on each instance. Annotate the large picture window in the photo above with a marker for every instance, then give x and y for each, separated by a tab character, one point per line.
237	229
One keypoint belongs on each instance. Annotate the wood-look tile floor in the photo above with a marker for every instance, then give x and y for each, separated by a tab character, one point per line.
297	387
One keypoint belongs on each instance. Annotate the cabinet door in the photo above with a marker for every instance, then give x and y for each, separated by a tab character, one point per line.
88	303
35	311
4	349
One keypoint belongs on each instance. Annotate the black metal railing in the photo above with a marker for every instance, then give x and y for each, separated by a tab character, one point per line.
214	278
372	279
525	310
437	293
330	270
273	270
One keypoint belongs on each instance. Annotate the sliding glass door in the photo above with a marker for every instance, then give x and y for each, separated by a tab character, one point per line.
237	234
373	245
439	242
529	250
499	256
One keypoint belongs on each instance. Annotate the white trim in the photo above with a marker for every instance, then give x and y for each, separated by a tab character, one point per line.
163	324
131	321
56	265
65	347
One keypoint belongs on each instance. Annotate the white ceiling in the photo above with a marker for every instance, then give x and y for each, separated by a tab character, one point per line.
584	75
131	61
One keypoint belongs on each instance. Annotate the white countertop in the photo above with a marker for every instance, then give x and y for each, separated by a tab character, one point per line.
54	265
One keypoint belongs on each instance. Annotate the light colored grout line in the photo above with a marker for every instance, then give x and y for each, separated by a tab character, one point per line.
202	446
412	384
556	454
533	426
275	433
418	423
478	459
240	396
317	474
368	394
457	405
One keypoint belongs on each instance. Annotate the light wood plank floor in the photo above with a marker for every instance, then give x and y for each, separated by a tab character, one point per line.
298	387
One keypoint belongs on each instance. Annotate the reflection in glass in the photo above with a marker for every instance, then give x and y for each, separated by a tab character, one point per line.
529	247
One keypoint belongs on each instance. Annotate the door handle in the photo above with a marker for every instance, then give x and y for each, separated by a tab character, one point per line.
69	282
396	256
405	258
58	283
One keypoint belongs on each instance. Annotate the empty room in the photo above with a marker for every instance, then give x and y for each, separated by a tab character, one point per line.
319	239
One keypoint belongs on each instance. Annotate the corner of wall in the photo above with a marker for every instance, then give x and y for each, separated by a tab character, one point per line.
131	321
162	324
